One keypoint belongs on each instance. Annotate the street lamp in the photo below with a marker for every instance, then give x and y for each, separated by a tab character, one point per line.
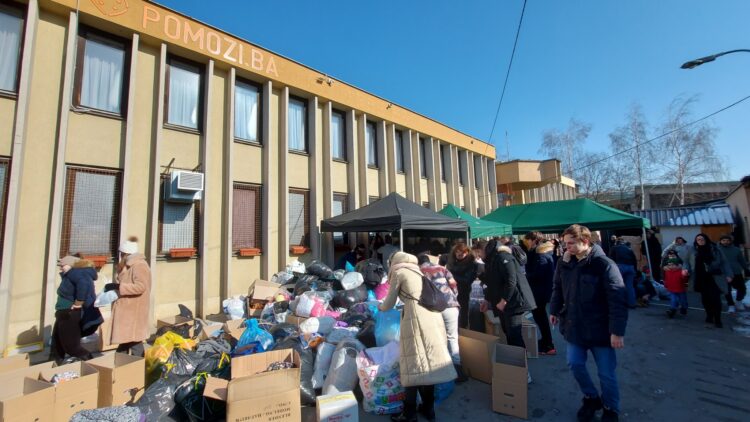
697	62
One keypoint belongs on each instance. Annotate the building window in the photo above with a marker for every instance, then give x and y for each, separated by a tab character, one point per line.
371	135
91	211
338	135
299	218
178	223
340	206
246	111
4	176
184	94
11	34
297	124
101	72
490	174
399	146
246	217
477	172
423	158
461	169
444	160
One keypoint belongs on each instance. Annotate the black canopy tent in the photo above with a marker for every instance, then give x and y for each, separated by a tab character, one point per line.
394	212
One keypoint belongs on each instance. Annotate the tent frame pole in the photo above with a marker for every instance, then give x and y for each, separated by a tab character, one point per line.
401	239
648	255
468	239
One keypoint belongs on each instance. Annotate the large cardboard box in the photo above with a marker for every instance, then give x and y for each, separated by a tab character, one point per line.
530	338
25	372
14	362
122	378
26	399
258	295
296	320
510	381
476	354
260	396
208	328
234	328
105	336
74	395
339	407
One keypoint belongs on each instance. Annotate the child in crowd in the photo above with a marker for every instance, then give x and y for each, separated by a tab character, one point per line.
675	280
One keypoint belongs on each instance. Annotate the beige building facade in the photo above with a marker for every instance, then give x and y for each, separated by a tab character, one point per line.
124	118
528	181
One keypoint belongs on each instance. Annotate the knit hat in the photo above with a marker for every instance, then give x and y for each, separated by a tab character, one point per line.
129	246
67	260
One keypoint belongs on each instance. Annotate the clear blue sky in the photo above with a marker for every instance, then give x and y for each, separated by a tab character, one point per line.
586	59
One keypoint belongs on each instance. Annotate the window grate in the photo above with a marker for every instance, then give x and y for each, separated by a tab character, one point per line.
246	216
340	206
299	218
179	224
91	211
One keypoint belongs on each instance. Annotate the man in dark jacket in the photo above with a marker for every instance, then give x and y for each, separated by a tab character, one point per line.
626	263
589	301
739	266
540	270
508	292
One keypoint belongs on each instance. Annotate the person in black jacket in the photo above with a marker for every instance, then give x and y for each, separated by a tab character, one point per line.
626	262
74	309
508	292
540	270
462	264
588	299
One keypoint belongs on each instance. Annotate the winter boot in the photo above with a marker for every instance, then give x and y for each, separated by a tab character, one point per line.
588	410
428	414
610	416
671	313
461	375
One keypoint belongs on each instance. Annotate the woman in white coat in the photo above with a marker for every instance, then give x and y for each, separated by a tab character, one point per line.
424	360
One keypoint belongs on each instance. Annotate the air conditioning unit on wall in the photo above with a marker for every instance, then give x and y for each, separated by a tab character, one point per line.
184	187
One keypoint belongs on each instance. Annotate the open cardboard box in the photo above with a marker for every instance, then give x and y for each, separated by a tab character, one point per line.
74	395
476	351
234	328
260	396
26	399
208	328
337	407
14	362
510	381
122	378
25	372
258	295
530	338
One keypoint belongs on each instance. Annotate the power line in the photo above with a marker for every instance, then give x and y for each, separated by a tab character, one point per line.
507	73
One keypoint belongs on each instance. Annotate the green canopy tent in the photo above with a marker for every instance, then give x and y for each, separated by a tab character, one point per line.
556	216
477	226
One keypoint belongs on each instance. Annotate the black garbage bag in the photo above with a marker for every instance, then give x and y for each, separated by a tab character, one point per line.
216	365
325	287
180	362
320	269
157	401
366	334
280	307
307	367
354	319
283	330
347	298
193	406
373	273
304	283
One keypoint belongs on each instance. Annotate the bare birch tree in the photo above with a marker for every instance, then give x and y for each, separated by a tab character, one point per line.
687	152
594	174
566	146
635	156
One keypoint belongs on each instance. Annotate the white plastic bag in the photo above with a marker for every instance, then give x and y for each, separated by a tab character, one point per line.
282	277
342	375
380	379
322	325
234	307
352	280
310	304
105	298
322	364
296	267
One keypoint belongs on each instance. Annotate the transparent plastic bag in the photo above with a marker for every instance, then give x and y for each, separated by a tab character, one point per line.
387	326
254	334
322	364
234	307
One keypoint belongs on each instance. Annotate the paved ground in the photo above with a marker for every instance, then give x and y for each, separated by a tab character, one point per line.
669	370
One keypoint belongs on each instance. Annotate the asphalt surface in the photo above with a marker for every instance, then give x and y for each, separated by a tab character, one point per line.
669	370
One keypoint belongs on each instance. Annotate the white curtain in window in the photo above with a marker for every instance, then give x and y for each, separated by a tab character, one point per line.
296	125
296	219
338	136
102	76
10	43
337	208
184	91
93	210
372	145
178	226
246	100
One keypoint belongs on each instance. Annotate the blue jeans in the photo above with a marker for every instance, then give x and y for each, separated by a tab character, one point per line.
678	300
628	275
606	362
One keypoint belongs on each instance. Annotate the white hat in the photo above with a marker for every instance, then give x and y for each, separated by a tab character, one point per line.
128	247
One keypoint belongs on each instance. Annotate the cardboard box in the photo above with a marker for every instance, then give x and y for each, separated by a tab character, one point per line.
122	378
74	395
530	339
258	295
340	407
510	381
260	396
234	328
476	354
27	399
26	372
208	328
14	362
294	319
105	336
493	326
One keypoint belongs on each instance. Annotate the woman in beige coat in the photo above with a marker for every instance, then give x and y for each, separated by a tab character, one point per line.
130	325
424	359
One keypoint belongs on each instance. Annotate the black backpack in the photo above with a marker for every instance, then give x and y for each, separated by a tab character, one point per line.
431	298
